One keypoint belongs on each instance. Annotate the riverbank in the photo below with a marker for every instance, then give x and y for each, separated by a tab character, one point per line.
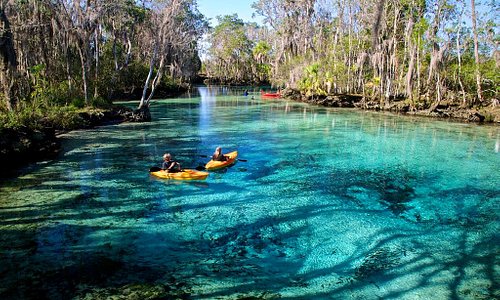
24	144
30	134
445	110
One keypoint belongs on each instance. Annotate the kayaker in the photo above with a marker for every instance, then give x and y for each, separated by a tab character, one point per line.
218	155
170	165
245	93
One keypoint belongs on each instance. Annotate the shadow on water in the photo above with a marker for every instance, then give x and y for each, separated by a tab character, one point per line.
393	189
257	258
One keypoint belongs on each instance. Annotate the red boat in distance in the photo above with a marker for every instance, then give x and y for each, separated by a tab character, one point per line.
269	95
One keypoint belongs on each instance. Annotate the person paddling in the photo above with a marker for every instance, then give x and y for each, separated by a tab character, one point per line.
170	165
218	156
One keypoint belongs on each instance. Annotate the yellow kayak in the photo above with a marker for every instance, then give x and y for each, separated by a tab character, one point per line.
186	174
214	164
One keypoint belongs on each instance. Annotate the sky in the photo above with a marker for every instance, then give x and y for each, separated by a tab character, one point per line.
213	8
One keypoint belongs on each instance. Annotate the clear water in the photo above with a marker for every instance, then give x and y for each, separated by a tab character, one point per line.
331	204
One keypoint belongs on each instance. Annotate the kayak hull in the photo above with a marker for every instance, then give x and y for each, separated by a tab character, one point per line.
270	95
186	174
215	165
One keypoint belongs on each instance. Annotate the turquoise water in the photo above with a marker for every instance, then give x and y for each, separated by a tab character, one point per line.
330	204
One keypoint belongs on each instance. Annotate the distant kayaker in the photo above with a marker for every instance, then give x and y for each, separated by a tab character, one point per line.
218	155
170	165
245	93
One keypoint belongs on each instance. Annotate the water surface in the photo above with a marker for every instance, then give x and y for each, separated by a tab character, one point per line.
330	204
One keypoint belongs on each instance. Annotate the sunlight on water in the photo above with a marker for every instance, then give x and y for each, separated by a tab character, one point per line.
330	204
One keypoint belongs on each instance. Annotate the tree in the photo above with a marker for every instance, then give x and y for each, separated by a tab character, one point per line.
91	49
8	59
175	26
476	50
261	54
230	51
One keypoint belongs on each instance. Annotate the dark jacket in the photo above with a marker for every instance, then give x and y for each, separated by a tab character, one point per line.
220	157
171	166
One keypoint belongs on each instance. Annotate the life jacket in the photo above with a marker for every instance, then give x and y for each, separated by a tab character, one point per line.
219	157
168	164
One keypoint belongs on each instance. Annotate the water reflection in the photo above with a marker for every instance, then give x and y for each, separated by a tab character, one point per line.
207	104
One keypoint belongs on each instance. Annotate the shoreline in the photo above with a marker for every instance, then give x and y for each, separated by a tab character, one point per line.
23	146
444	111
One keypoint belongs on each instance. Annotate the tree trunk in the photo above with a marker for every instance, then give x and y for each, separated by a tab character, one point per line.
476	51
409	74
84	74
42	36
156	80
394	57
96	57
376	24
419	68
148	79
464	100
68	70
349	43
433	65
8	60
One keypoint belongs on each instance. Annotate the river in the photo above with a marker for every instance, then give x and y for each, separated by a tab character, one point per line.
328	204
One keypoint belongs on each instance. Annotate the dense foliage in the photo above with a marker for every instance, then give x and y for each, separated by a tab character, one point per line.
422	51
61	55
234	57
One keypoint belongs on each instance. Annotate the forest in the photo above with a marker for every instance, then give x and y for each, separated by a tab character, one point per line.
424	53
62	56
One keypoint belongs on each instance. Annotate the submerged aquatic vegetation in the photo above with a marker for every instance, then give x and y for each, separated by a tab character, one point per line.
376	262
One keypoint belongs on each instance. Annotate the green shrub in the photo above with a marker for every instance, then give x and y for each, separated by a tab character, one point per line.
100	102
78	102
59	117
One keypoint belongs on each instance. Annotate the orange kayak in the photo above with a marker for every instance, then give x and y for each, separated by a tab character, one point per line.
214	164
186	174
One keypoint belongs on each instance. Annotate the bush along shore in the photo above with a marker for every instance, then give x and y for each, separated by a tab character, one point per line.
446	110
37	140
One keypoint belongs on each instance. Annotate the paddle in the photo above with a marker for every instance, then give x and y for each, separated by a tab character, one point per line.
238	159
156	169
